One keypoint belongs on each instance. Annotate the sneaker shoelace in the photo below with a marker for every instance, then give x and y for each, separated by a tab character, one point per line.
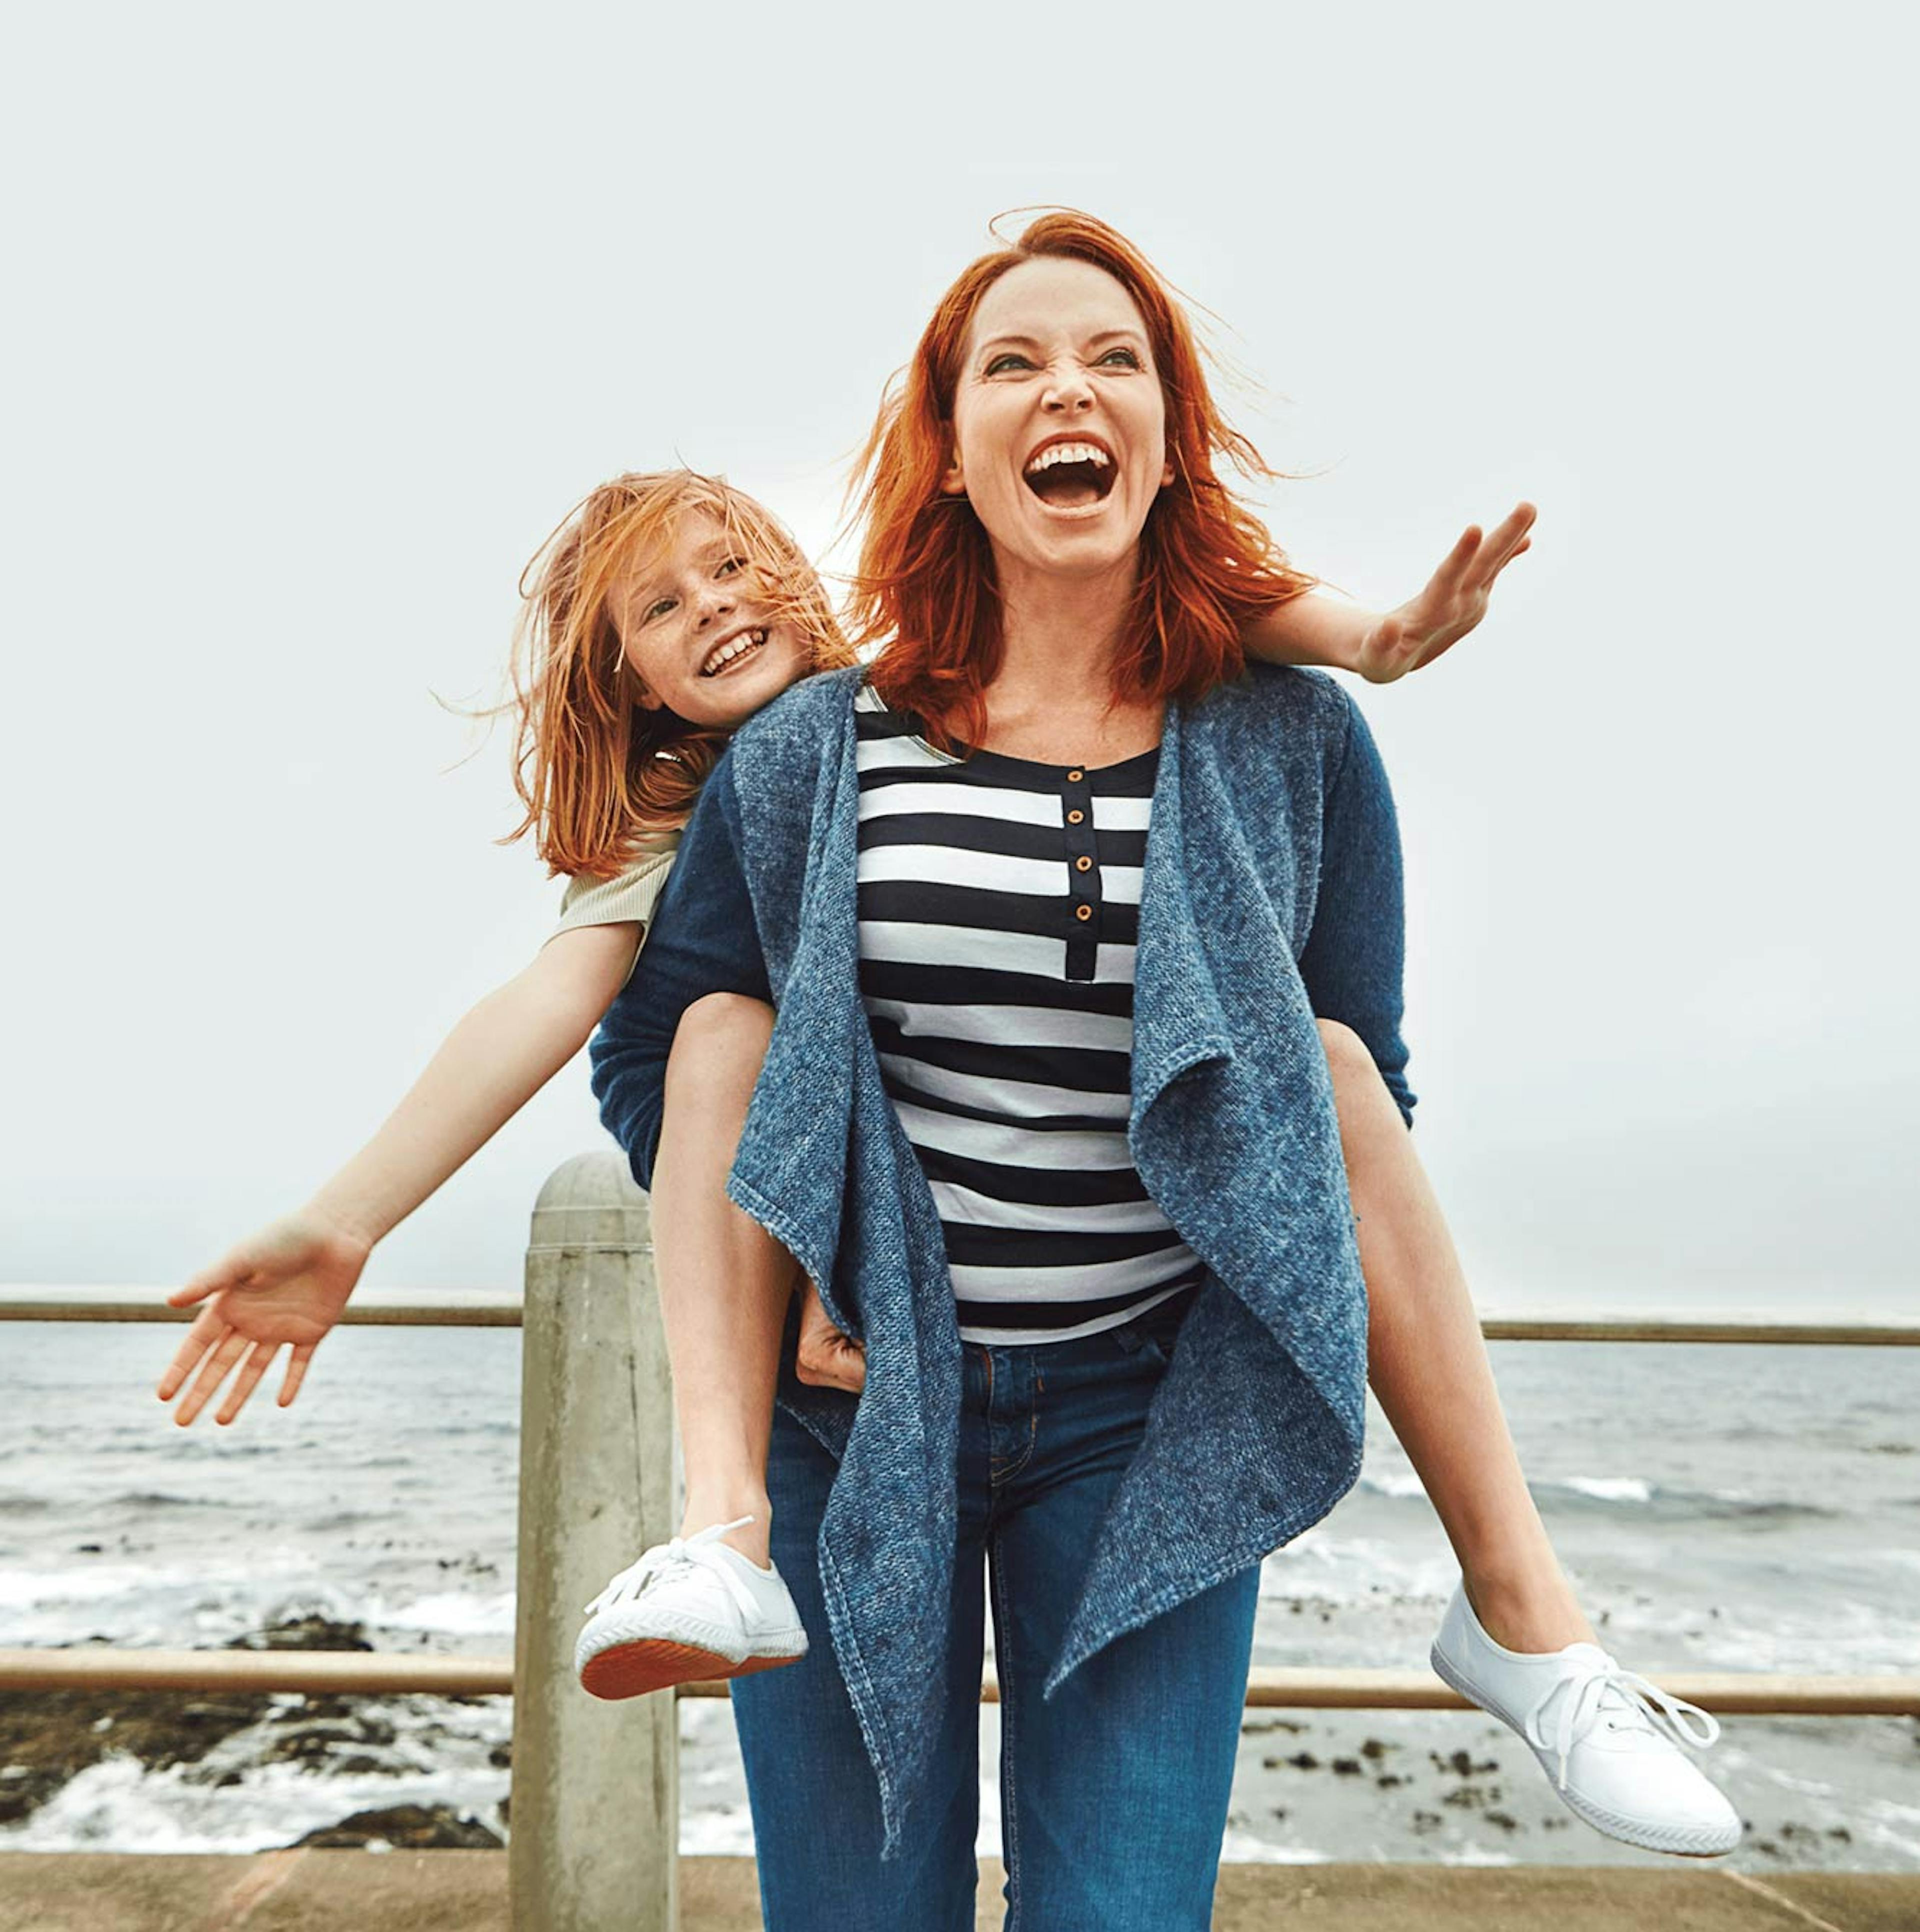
1610	1690
678	1556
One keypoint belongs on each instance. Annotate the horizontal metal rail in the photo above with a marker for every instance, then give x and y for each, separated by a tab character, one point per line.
373	1308
391	1673
468	1308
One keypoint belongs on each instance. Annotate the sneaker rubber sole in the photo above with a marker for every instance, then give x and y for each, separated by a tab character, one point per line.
653	1664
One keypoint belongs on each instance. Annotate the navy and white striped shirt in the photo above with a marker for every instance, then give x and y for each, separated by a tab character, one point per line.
999	910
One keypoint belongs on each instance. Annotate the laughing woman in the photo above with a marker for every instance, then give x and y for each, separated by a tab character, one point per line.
1047	1116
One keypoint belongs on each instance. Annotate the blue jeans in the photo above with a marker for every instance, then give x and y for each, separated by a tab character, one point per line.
1114	1792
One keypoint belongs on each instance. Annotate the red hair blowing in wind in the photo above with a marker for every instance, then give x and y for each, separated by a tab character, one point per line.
926	588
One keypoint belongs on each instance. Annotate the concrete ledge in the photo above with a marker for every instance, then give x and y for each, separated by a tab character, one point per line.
466	1891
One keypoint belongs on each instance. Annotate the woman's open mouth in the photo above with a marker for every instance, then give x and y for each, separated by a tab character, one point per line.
736	650
1070	473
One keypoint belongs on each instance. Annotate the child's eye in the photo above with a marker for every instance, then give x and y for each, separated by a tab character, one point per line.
1007	360
732	564
658	609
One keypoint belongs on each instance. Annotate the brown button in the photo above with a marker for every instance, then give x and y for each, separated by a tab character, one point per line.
1083	864
1074	777
1082	912
1074	818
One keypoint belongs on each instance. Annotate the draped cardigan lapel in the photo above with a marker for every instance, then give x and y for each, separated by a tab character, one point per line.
1255	1430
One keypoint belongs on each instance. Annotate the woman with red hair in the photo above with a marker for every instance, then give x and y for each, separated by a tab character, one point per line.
1048	1118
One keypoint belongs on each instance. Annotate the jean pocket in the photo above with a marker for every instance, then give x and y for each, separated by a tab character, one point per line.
1146	1340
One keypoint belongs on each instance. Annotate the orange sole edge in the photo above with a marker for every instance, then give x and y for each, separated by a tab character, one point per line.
634	1669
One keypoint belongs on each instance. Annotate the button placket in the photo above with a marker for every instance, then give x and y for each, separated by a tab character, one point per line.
1083	931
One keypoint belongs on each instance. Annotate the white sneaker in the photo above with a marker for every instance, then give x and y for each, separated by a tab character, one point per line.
1606	1737
693	1607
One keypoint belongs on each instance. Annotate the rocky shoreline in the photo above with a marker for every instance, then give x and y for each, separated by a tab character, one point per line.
48	1739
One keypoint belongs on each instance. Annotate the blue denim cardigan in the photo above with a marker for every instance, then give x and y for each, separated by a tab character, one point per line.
1272	894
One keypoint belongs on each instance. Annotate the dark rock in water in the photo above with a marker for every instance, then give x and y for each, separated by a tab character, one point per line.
408	1827
305	1633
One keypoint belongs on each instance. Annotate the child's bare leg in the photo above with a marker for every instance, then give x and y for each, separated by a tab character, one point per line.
724	1281
1428	1366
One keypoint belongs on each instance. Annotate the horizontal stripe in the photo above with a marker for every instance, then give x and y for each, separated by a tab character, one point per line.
1043	1253
1023	1100
1092	1282
1000	1144
887	794
906	902
990	1322
1112	848
966	1204
1006	1026
1064	1188
912	943
994	874
950	800
917	944
1079	1068
936	987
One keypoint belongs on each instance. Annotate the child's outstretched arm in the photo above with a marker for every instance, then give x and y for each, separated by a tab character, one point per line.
1319	629
286	1285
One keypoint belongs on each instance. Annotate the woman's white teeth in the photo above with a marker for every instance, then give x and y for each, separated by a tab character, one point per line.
747	641
1068	452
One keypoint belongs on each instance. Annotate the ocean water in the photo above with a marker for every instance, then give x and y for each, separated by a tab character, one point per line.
1721	1508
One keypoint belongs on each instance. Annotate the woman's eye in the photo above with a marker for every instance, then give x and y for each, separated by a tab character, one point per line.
1008	360
1129	358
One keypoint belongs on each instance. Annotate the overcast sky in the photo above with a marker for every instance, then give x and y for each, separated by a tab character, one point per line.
320	319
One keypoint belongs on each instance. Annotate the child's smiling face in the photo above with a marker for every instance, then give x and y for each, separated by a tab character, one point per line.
701	635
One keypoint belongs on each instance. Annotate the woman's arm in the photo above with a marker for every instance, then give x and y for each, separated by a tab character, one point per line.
704	939
1318	628
1354	959
288	1283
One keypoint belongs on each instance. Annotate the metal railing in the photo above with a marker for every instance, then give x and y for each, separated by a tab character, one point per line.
596	1787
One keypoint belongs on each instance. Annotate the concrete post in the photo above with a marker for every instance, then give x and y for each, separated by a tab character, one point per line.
595	1814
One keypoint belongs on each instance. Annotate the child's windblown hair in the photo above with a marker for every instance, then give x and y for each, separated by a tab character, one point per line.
595	771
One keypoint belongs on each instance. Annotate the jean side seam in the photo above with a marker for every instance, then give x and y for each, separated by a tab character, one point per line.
1009	1734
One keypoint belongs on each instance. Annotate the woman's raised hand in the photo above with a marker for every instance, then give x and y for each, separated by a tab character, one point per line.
1453	602
283	1287
824	1356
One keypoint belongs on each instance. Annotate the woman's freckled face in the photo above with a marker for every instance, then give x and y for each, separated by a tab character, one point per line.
1058	355
697	597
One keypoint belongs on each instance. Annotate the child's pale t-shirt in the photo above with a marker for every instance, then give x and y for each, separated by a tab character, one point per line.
631	894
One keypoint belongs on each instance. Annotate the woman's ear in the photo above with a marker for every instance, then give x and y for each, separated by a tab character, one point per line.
953	483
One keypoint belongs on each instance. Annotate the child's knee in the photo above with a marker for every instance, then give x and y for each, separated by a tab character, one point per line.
1347	1057
719	1030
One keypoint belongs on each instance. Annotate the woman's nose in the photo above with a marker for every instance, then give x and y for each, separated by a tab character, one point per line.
1067	388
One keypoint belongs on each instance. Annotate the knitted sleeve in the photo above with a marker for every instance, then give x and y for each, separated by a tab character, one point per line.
1355	956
